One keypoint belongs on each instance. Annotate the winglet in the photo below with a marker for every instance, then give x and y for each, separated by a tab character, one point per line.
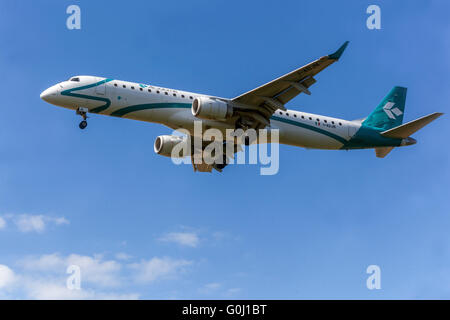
339	52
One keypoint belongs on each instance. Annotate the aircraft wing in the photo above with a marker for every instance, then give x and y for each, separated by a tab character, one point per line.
274	94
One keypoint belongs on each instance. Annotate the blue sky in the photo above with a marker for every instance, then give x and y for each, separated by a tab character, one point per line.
141	227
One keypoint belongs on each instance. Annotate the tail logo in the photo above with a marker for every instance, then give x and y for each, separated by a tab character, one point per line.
390	111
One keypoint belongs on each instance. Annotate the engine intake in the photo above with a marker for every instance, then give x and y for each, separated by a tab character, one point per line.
211	109
165	144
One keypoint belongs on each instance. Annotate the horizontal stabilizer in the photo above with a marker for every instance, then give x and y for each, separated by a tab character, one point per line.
405	130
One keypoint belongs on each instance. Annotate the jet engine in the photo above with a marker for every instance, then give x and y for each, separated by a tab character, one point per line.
212	109
165	144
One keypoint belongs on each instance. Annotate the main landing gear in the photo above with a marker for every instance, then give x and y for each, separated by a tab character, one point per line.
82	112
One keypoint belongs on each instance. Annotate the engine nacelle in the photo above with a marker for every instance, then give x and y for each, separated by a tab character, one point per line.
165	144
206	108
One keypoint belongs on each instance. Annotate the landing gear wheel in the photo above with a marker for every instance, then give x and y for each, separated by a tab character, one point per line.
83	124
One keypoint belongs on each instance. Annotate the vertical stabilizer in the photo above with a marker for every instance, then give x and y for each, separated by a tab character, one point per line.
389	113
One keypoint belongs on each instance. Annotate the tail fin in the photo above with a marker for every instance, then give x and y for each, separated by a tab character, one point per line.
389	113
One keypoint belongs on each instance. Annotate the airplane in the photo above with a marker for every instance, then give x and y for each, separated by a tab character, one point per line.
263	107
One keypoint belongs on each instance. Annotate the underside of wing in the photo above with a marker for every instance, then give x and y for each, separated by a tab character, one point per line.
261	103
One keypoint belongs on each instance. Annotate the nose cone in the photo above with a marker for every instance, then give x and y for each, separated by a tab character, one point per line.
49	94
46	94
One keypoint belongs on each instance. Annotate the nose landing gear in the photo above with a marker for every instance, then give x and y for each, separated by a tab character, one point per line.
82	112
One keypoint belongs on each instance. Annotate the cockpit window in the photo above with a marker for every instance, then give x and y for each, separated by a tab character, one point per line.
76	79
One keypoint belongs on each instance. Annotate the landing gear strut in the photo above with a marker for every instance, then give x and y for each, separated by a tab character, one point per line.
82	112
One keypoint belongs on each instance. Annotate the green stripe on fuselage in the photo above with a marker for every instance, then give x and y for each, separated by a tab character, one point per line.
69	92
365	137
312	128
139	107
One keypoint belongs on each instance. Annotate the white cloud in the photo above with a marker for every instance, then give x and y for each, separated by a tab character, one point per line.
7	276
2	223
123	256
59	221
27	223
232	292
94	269
49	288
216	289
104	273
47	262
33	223
189	239
45	277
210	287
54	289
158	268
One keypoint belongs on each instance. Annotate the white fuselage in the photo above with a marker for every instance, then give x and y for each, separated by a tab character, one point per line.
172	108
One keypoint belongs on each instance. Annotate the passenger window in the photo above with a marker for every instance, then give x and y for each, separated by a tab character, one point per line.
115	84
287	114
182	95
310	118
340	124
191	98
132	88
303	117
157	91
174	95
165	93
332	122
124	86
149	90
140	89
325	121
295	116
